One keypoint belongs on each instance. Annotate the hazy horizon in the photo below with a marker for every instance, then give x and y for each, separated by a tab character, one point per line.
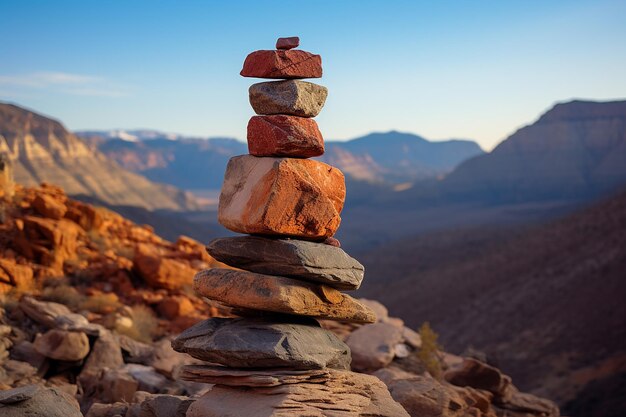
440	70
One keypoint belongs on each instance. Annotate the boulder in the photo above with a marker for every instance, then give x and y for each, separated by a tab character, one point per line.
166	360
265	377
165	406
521	404
148	378
161	272
49	207
25	351
300	259
20	394
174	306
343	394
373	345
38	402
106	353
78	323
250	290
14	275
107	410
294	97
281	196
282	64
476	374
260	343
288	43
62	345
43	312
423	396
47	241
284	135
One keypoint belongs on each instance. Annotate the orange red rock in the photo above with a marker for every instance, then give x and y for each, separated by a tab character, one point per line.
282	196
282	64
283	135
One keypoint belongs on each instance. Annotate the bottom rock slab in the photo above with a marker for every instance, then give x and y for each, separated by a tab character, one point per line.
344	394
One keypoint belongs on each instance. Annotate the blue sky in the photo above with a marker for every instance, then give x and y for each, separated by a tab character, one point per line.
465	69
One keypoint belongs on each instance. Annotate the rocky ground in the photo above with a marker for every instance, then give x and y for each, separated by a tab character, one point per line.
92	301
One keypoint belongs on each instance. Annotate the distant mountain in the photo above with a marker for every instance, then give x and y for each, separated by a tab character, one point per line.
188	163
396	158
391	158
42	150
573	154
575	150
133	135
546	303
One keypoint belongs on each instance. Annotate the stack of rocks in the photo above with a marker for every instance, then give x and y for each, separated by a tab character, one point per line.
275	359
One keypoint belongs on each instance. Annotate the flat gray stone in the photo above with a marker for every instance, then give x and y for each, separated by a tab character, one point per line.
310	261
264	343
16	395
44	402
293	97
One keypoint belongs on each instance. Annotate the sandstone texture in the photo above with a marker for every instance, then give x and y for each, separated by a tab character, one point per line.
310	261
344	394
266	377
35	401
294	97
283	135
281	196
282	64
257	343
288	43
250	290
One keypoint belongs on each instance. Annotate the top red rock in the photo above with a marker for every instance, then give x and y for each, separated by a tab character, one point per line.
292	63
288	43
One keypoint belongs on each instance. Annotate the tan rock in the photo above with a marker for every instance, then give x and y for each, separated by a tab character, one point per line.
266	377
278	294
282	196
373	345
344	394
62	345
294	97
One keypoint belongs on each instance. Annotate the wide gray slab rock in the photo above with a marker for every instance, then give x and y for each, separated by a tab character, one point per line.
294	97
301	259
263	343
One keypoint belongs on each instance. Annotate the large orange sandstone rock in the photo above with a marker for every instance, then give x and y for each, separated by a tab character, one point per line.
282	135
282	196
292	63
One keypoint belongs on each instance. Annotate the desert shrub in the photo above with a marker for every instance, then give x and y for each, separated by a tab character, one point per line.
429	352
63	294
144	324
101	303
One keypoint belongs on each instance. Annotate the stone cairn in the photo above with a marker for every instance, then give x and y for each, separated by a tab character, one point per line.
275	359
